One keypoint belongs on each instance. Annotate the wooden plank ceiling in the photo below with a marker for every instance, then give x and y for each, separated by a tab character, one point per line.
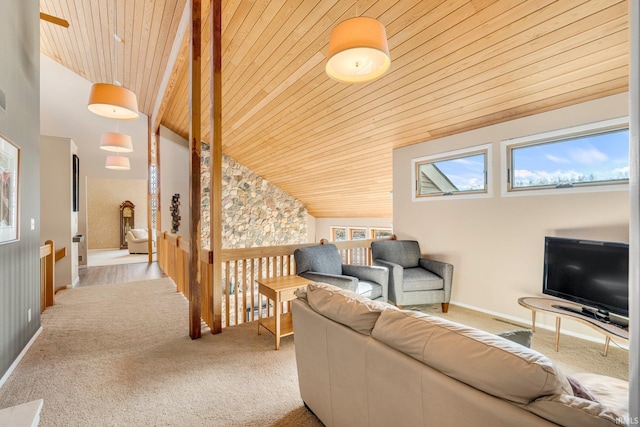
456	65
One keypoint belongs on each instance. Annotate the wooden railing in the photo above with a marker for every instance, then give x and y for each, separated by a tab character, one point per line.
47	275
48	258
241	268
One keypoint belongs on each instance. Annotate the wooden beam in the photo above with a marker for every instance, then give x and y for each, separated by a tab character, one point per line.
215	167
158	182
195	145
173	68
149	192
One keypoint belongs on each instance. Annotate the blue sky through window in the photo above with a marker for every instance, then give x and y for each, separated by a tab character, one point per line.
592	158
466	173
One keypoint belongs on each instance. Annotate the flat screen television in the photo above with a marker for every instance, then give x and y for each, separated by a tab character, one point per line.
588	272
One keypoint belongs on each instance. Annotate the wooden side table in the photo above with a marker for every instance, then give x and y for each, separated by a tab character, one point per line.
549	305
279	290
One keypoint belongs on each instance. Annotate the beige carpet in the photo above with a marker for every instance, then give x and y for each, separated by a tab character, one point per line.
119	355
575	355
102	257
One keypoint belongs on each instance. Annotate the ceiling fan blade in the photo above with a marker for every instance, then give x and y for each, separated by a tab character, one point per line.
54	20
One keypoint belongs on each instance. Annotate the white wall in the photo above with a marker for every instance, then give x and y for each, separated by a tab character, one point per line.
323	225
496	244
63	113
58	222
174	170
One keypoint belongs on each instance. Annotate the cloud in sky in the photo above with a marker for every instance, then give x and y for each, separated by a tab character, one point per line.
557	159
588	156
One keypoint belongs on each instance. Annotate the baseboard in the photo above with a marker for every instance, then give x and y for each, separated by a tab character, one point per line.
539	325
15	363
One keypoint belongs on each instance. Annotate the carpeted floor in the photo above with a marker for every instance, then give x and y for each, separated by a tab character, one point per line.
575	355
101	257
120	355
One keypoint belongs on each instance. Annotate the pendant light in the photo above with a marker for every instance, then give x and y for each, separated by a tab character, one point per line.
358	51
116	142
119	163
112	100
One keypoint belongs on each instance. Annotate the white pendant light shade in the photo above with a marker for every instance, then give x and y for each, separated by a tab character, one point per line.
358	51
119	163
112	101
116	142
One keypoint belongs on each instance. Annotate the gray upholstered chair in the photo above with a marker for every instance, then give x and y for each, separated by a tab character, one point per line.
412	279
322	263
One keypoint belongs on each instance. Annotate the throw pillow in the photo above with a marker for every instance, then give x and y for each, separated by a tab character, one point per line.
522	336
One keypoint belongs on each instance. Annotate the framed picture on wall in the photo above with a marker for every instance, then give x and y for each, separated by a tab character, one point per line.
9	185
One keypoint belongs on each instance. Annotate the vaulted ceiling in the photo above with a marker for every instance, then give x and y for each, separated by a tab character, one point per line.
456	65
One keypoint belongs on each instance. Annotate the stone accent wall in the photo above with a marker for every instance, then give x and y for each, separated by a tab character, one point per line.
254	211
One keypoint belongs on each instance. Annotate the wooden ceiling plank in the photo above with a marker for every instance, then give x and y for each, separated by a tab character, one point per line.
175	64
357	112
366	101
326	149
241	68
162	30
292	52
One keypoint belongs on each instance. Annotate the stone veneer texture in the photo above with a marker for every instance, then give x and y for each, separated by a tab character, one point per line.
254	211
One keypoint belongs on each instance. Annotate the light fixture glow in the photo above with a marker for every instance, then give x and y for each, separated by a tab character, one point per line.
358	51
119	163
116	142
112	101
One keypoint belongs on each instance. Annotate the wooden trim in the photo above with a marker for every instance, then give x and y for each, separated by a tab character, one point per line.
177	58
215	166
60	253
149	195
195	143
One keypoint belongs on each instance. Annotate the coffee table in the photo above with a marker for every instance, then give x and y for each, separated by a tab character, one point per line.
279	290
552	306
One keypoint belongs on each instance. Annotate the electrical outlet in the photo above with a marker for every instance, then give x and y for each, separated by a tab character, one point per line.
33	224
29	315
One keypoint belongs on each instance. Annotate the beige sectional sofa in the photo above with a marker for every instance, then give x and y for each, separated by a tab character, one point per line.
138	241
367	363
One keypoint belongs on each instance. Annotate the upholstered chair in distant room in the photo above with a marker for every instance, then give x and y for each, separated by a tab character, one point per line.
413	280
322	263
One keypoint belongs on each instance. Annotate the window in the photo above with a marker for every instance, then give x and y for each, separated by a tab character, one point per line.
357	233
454	173
381	233
338	234
593	155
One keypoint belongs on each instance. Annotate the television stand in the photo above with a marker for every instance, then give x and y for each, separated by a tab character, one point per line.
591	317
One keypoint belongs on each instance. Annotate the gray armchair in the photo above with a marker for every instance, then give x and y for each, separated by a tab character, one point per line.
413	279
322	263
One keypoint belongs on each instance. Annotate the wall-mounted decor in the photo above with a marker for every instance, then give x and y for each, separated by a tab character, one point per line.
9	195
175	213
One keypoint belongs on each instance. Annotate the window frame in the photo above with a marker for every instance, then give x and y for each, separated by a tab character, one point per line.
373	230
485	149
507	146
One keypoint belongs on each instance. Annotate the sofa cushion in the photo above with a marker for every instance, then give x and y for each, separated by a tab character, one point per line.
344	306
319	258
521	336
369	290
405	253
419	279
610	392
139	233
482	360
